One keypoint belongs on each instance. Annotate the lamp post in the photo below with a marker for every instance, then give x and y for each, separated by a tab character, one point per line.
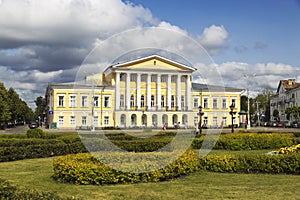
232	113
200	119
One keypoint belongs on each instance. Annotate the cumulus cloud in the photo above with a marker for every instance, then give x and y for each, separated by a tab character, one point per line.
214	39
45	42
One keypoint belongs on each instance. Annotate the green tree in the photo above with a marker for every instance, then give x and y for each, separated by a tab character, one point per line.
276	114
5	114
40	103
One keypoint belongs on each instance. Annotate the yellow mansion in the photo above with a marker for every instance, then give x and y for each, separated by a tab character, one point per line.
151	91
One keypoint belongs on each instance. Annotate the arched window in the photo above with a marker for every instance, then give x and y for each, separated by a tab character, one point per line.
132	101
142	101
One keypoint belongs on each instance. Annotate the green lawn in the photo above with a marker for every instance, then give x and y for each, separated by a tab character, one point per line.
36	174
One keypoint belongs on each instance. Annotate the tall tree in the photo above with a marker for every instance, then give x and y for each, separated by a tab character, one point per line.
5	115
40	103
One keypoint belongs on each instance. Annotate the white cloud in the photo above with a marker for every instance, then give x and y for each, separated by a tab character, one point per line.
213	39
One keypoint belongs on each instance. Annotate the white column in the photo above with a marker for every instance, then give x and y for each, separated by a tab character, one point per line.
169	90
188	92
128	91
158	92
117	94
178	91
148	91
138	91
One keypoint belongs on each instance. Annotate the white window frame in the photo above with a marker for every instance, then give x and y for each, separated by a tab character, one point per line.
106	120
224	102
84	101
61	120
196	102
96	101
61	102
162	102
172	101
122	101
106	101
96	121
142	101
83	120
182	101
152	101
215	102
72	101
233	100
205	102
131	101
72	120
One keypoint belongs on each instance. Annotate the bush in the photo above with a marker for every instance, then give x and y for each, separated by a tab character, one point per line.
35	133
289	164
85	169
8	191
249	141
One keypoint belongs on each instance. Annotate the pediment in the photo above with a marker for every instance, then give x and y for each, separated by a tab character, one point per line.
153	63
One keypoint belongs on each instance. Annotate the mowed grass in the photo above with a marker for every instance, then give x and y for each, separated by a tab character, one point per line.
36	174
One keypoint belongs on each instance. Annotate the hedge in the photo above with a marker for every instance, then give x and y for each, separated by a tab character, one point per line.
288	163
248	141
9	191
85	169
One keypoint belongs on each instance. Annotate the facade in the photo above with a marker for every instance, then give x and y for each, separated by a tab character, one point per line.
149	92
287	95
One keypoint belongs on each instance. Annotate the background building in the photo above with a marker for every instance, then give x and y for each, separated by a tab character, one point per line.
287	96
151	91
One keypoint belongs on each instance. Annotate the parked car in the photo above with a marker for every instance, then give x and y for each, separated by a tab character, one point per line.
295	124
33	125
286	123
280	124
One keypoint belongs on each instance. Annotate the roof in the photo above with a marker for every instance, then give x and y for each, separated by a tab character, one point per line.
154	56
288	84
199	86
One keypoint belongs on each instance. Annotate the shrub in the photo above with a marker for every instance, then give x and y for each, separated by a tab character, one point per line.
35	133
86	169
8	191
289	164
249	141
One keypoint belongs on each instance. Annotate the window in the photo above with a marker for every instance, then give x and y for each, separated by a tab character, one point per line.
83	120
173	79
122	104
182	101
172	101
61	120
152	100
183	79
162	103
106	120
215	102
163	78
72	120
233	102
153	78
196	102
72	101
95	120
131	101
224	103
61	101
122	77
142	101
132	77
96	101
224	122
143	78
215	121
84	101
205	103
106	101
205	120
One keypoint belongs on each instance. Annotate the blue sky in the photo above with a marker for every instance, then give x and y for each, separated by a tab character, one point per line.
44	42
260	31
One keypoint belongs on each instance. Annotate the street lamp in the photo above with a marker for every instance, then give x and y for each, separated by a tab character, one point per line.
200	119
232	113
